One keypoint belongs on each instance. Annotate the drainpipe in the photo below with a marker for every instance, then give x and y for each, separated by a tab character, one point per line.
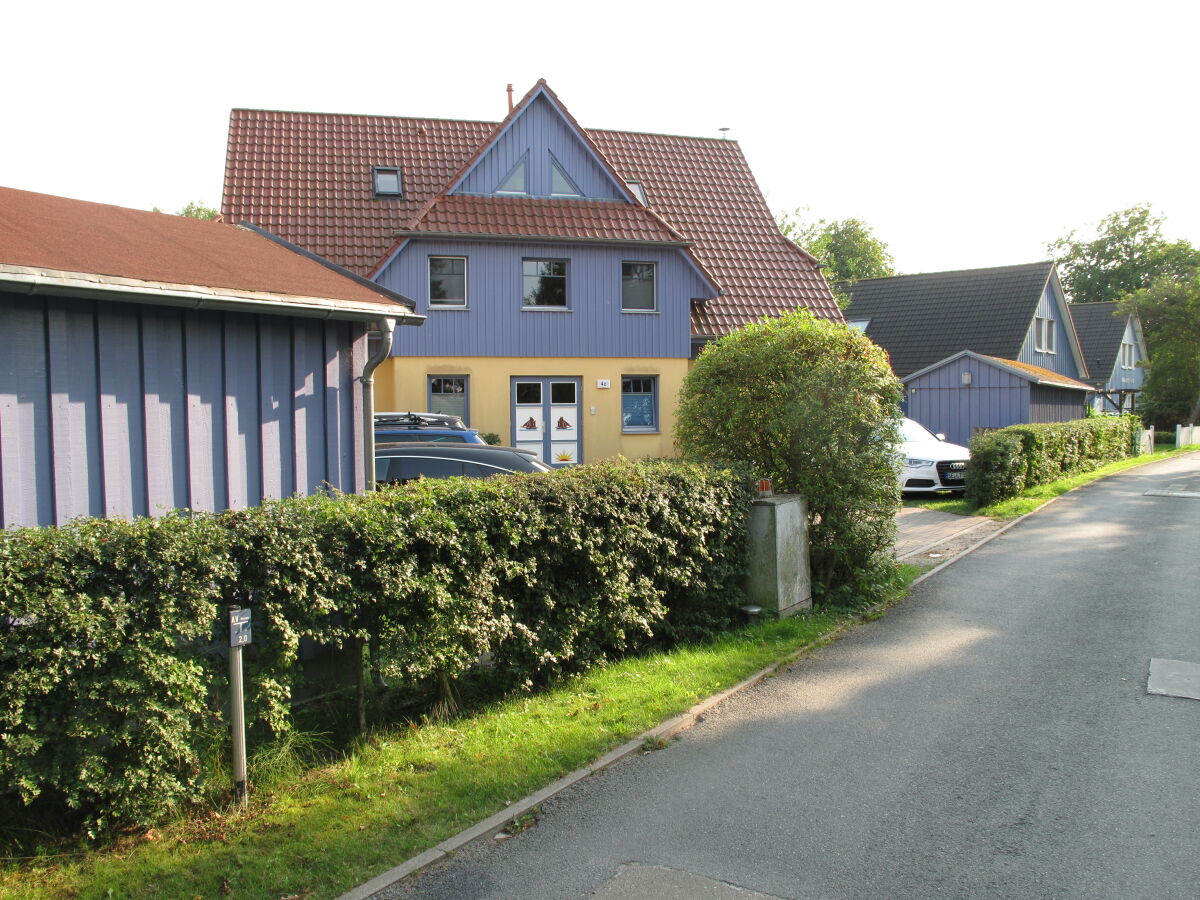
387	328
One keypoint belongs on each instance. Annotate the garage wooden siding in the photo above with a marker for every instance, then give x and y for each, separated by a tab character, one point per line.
122	409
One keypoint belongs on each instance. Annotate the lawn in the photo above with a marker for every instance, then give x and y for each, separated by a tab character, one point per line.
317	831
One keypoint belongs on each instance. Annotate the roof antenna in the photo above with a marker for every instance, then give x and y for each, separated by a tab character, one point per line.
510	105
724	133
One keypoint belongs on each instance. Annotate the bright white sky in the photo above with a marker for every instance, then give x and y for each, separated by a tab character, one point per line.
965	134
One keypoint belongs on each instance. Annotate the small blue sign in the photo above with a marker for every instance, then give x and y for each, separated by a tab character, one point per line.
239	627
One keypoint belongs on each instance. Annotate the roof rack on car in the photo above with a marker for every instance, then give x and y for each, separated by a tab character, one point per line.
420	420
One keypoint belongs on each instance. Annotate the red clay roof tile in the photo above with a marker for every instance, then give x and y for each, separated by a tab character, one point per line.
306	177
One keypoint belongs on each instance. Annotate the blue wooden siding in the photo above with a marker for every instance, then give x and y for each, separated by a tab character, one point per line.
538	132
942	403
1119	378
123	409
1051	404
495	325
1062	360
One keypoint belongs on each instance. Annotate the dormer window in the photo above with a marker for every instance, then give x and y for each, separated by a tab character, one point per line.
387	181
561	184
638	191
515	181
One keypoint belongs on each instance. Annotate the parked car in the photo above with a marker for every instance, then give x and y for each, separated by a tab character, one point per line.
424	426
396	463
928	462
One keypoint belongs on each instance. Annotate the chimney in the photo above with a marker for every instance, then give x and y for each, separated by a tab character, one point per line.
510	103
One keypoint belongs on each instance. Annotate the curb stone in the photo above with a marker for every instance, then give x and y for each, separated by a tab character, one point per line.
496	823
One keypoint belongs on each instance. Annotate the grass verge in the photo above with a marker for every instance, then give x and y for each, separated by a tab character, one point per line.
1038	495
319	832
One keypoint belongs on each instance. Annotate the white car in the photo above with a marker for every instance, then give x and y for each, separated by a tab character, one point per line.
928	462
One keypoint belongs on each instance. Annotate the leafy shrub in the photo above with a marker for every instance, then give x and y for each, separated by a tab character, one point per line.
103	630
1006	462
112	632
814	406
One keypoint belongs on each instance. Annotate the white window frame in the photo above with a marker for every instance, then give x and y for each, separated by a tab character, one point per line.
1128	354
1043	334
654	268
444	304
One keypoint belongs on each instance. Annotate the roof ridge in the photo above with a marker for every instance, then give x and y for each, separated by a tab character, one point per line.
1048	262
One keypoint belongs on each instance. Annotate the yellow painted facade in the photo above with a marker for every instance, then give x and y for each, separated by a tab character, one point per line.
402	383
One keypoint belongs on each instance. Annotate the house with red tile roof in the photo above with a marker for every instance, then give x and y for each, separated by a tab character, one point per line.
156	362
568	275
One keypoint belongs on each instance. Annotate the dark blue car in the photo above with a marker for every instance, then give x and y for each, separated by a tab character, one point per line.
424	426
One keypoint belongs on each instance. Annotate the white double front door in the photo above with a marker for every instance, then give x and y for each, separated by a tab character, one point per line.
546	418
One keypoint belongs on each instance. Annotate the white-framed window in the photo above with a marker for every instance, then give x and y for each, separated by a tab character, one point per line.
448	282
544	283
639	403
1043	334
387	181
638	287
638	191
1128	355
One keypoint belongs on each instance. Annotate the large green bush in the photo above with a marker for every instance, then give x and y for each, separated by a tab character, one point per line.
112	632
814	406
1007	461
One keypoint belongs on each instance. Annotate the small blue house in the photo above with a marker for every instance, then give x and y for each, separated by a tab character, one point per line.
1115	351
969	392
977	348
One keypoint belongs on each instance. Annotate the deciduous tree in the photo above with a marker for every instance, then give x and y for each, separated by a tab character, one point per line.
1170	313
846	249
1127	254
814	406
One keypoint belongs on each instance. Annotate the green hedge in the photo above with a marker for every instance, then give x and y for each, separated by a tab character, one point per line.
1006	462
111	632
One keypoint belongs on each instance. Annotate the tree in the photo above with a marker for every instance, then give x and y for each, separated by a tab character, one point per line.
814	406
196	210
847	249
1128	254
1170	313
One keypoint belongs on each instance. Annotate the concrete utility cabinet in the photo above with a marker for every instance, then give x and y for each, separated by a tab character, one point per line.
778	578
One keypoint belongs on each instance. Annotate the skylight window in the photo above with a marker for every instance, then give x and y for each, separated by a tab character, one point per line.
388	181
638	191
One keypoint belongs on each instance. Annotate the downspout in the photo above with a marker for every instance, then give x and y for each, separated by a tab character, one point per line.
387	328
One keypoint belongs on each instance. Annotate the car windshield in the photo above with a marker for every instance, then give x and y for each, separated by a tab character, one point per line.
912	431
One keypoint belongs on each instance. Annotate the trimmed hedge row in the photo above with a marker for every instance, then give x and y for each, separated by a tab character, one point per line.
112	632
1005	462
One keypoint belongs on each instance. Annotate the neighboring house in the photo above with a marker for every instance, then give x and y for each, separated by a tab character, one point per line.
569	275
1113	348
156	362
979	348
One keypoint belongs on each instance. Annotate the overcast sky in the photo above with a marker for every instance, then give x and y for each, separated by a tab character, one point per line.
965	134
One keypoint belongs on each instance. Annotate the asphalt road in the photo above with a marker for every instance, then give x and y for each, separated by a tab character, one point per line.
991	737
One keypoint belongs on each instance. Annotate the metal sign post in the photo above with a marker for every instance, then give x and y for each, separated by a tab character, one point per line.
239	636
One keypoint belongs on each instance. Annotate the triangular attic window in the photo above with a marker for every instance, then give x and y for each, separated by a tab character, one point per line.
561	184
514	182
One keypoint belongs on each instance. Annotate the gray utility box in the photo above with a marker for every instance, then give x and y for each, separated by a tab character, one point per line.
778	577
